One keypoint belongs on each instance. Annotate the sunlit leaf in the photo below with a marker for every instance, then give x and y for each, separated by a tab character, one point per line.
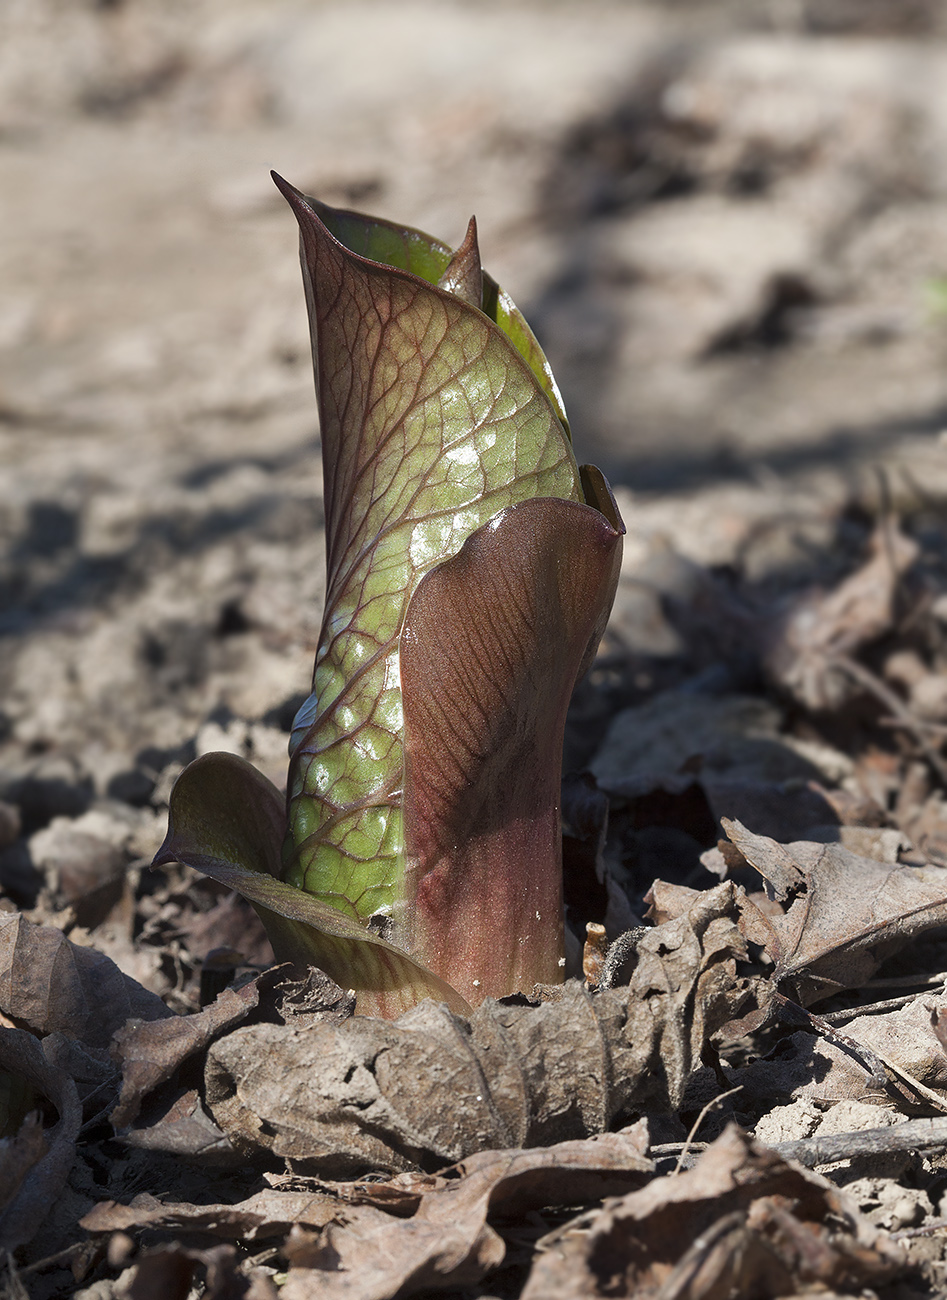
412	250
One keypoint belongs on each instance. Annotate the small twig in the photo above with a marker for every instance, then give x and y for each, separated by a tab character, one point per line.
936	728
873	1009
60	1257
877	1067
870	1061
665	1150
905	1234
679	1282
714	1101
907	981
912	1135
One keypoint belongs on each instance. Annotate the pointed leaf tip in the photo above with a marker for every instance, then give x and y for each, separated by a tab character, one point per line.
464	274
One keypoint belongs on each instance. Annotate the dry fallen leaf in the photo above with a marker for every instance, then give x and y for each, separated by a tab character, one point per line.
51	984
42	1166
742	1222
370	1255
803	644
433	1088
270	1213
150	1051
846	914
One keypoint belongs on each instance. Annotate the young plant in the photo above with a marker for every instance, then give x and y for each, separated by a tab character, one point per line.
471	569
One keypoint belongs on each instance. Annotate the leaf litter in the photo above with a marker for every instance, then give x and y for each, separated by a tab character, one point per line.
750	862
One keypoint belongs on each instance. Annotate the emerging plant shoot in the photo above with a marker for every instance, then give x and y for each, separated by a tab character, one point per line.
471	570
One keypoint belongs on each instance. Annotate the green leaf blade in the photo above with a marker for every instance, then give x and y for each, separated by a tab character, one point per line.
412	250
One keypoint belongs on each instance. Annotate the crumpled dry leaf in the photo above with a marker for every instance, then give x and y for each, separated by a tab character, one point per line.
181	1126
376	1240
742	1222
370	1255
803	644
846	913
151	1050
51	984
43	1167
270	1213
433	1088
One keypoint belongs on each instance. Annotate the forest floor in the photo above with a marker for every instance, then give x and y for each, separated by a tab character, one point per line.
727	222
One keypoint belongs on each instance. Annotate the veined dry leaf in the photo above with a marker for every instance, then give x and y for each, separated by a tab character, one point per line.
371	1255
742	1222
40	1182
845	915
51	984
150	1051
433	1088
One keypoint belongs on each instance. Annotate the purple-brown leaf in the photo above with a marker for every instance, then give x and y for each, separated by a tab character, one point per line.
492	644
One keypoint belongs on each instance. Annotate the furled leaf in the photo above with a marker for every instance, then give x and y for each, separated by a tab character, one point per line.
490	652
226	819
432	423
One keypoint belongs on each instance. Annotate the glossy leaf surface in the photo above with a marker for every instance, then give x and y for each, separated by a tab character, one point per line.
492	644
227	820
432	423
412	250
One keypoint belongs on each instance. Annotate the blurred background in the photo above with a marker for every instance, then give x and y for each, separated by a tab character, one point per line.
726	219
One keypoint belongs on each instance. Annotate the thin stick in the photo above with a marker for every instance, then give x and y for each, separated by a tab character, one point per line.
912	1135
872	1009
714	1101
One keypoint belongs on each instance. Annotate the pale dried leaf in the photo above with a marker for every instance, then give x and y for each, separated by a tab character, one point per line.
52	984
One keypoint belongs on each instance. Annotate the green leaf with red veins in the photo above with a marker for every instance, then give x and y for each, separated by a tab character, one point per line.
412	250
432	423
491	648
227	820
